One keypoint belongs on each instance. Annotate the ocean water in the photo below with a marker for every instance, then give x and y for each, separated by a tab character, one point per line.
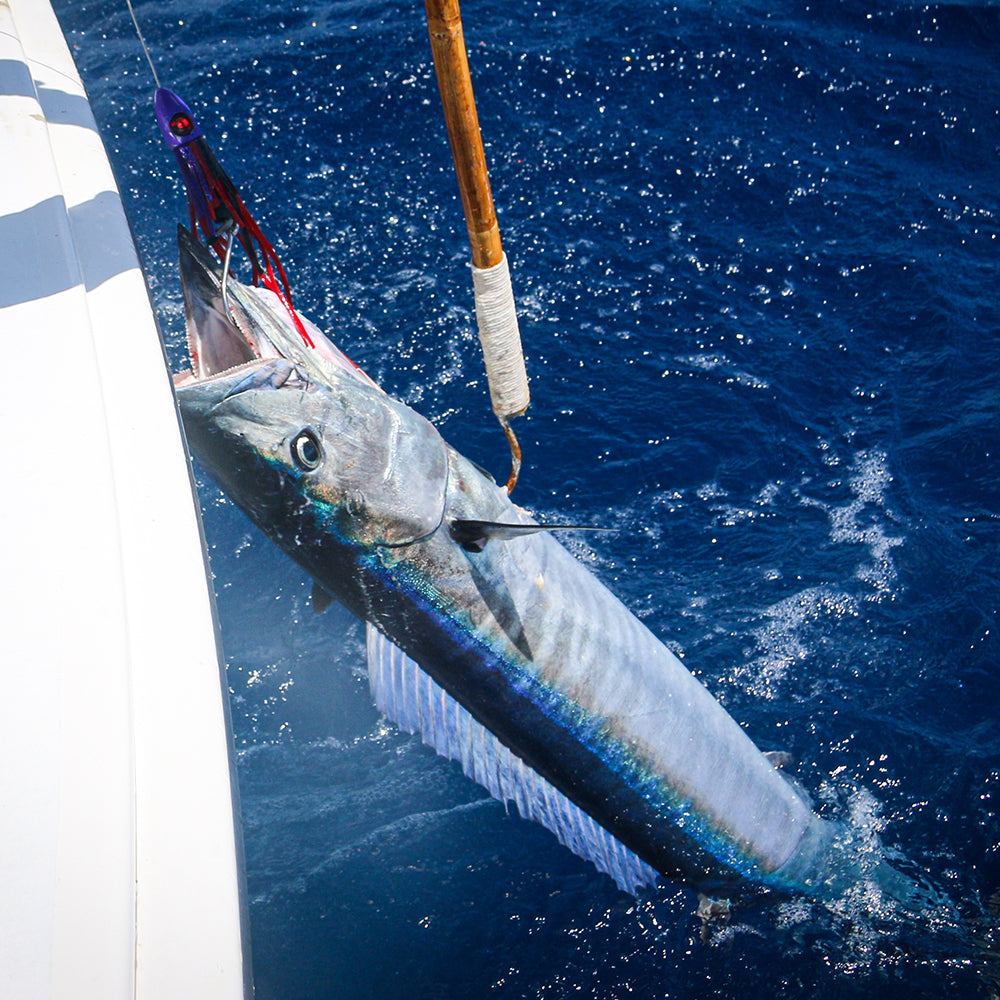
755	248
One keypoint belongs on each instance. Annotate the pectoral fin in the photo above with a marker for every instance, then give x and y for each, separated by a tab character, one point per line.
321	599
473	535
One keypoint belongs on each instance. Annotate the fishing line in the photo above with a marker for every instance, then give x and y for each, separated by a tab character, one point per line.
142	42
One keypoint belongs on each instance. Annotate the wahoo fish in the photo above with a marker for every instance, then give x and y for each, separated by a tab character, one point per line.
485	635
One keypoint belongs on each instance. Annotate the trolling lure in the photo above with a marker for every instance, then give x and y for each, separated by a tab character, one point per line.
215	206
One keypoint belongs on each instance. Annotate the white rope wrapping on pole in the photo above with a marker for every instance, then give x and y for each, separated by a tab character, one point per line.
501	340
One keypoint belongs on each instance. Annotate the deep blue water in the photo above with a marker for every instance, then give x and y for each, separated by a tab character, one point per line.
755	249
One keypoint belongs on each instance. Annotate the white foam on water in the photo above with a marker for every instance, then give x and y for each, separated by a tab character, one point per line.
786	633
762	504
853	929
866	520
724	365
783	641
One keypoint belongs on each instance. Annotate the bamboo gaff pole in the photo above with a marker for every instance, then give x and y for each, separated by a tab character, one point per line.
495	312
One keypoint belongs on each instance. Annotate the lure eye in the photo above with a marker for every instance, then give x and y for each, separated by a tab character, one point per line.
181	124
306	451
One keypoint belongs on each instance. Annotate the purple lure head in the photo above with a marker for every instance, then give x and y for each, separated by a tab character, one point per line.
175	119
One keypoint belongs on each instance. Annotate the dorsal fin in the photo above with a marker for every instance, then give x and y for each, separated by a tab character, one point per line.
418	704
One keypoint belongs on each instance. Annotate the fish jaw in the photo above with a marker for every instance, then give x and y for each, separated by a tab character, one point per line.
230	324
225	433
215	342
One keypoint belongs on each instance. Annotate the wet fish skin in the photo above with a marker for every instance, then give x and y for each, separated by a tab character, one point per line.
520	634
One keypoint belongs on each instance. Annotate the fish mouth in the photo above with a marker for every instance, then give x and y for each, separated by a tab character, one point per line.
234	328
220	336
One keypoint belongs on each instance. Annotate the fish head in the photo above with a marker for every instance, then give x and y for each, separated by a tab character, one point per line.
306	444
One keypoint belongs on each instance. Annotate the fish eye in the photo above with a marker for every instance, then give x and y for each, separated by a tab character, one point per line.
181	124
306	451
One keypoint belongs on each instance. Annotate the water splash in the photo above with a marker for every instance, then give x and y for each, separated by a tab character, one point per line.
867	520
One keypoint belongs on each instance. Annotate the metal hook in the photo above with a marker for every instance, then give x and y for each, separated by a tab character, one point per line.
515	456
225	271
